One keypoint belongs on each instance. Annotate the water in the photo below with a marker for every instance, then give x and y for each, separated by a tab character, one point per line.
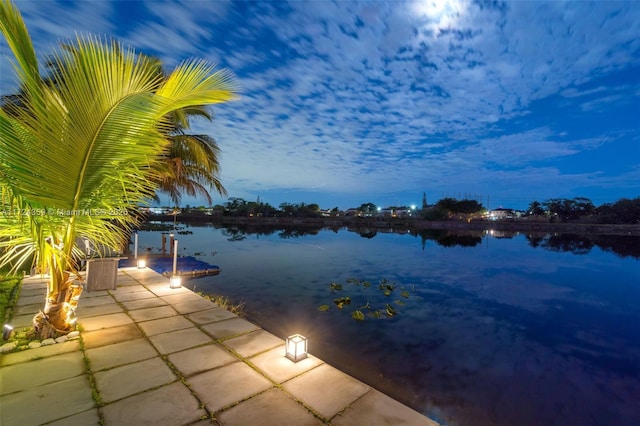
485	331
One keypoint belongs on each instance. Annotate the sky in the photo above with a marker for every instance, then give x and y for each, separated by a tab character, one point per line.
345	103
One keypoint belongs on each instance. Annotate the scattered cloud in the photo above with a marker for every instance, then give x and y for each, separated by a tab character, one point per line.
346	100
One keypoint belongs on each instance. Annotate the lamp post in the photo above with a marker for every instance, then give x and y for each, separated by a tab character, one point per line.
87	248
175	256
175	281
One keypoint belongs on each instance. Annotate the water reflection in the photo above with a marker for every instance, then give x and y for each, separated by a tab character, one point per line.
450	239
574	243
582	244
502	329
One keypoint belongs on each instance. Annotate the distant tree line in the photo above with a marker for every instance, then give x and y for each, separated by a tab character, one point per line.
579	209
451	208
237	207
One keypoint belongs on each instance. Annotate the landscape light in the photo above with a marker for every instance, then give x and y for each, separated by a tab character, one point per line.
175	256
175	281
6	332
142	263
296	347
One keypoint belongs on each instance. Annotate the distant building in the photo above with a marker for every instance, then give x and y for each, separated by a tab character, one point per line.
156	210
353	212
402	211
502	214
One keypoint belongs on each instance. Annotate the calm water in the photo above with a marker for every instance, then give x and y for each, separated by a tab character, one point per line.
485	331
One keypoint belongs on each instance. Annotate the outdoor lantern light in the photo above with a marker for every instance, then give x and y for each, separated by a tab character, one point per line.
175	281
296	347
6	332
142	263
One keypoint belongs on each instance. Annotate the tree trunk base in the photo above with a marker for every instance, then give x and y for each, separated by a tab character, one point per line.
59	315
44	329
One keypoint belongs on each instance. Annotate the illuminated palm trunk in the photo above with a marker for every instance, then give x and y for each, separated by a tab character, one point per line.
63	292
59	314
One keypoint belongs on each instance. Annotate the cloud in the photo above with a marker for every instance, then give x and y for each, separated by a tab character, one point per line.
353	97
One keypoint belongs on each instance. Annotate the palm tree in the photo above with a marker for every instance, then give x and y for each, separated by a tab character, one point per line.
191	163
78	156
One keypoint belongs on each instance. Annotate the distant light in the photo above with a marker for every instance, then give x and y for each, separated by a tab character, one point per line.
296	347
6	332
413	206
175	281
142	263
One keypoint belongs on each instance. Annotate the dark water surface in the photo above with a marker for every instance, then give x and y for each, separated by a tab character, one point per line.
485	330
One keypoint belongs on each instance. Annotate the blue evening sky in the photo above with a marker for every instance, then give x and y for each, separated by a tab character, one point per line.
345	103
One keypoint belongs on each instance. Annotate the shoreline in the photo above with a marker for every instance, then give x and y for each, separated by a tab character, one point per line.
404	224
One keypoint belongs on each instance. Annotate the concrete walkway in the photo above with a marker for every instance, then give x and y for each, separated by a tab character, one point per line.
151	355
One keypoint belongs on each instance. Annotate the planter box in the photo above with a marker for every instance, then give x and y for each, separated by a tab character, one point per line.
102	274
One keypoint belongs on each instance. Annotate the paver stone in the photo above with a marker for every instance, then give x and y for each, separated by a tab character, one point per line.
179	340
54	401
120	353
169	405
226	385
312	389
129	379
201	359
252	343
271	408
376	408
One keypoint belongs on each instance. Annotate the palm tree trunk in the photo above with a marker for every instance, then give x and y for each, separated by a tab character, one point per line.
59	314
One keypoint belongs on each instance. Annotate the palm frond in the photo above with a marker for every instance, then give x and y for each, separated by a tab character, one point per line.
86	148
15	32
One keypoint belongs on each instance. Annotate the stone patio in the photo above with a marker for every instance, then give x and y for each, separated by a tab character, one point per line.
162	356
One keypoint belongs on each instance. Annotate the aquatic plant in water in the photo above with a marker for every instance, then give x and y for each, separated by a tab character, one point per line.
381	301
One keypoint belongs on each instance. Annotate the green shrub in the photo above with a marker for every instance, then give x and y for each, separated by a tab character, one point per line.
9	286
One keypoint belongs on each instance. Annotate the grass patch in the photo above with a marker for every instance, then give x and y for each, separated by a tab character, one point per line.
9	286
22	337
225	303
95	393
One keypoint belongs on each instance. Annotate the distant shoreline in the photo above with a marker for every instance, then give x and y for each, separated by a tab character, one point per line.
411	224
